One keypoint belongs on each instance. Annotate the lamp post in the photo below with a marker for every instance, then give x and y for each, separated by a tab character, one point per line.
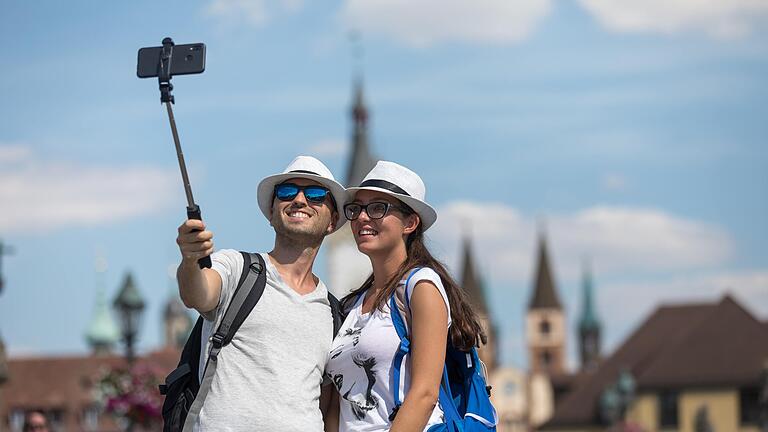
130	307
616	399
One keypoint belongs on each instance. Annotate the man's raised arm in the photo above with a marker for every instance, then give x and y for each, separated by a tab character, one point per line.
199	288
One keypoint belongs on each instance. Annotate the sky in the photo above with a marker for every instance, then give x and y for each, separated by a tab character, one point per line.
632	135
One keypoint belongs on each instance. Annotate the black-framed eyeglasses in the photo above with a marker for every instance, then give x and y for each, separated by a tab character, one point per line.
374	210
313	193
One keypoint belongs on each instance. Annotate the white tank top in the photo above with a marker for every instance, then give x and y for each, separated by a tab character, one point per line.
360	364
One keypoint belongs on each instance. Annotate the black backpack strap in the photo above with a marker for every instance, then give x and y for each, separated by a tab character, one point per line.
249	289
338	319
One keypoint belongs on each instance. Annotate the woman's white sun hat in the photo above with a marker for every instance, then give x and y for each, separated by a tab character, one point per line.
400	182
305	167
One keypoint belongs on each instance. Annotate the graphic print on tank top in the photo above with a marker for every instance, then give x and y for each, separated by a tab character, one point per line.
362	400
360	403
354	333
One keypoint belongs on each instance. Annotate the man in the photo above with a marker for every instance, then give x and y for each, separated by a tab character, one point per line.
269	377
35	421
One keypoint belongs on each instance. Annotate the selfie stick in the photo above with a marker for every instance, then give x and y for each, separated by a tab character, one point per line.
164	78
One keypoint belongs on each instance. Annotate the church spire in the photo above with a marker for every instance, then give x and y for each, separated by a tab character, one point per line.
544	293
470	280
177	322
589	325
360	161
102	332
545	321
472	284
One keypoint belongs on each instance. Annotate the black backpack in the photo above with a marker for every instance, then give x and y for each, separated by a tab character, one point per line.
182	386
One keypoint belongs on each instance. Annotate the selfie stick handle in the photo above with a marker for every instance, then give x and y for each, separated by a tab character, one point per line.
193	210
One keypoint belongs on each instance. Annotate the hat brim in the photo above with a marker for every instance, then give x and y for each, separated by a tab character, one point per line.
267	186
426	213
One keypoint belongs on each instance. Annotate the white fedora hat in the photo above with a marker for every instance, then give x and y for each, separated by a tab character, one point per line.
400	182
305	167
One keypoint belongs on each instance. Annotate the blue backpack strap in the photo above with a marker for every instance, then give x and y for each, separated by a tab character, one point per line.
405	343
445	398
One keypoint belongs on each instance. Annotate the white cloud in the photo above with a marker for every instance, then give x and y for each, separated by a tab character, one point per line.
624	306
13	153
253	12
750	288
721	19
617	240
327	147
426	22
45	195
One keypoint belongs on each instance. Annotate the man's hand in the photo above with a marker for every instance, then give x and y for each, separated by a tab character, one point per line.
199	288
194	242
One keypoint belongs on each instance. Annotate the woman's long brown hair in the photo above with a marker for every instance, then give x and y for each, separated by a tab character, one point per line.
465	331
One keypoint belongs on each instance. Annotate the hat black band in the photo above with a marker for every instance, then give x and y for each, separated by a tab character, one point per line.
306	172
383	184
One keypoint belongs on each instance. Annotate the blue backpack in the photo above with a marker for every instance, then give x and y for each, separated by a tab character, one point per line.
464	395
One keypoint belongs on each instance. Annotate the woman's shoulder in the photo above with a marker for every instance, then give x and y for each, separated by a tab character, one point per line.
427	274
419	274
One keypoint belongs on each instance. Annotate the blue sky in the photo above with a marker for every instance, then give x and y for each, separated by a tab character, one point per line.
635	134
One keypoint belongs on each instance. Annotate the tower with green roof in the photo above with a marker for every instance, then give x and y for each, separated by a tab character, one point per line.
102	333
589	325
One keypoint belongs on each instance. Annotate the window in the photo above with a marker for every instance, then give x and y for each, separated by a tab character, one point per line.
749	406
16	419
510	388
546	358
544	327
668	409
91	418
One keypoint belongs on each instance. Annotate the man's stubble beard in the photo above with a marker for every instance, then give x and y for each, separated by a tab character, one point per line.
300	235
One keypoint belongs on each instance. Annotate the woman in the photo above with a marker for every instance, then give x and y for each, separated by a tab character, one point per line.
388	217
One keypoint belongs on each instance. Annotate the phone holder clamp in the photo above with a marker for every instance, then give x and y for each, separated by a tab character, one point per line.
164	72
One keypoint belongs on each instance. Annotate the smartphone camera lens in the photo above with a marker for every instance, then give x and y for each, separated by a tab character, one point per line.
189	57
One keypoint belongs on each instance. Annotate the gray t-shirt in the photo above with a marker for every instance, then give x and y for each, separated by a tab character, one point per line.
268	378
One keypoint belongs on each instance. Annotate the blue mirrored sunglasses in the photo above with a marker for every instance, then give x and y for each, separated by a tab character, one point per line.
313	193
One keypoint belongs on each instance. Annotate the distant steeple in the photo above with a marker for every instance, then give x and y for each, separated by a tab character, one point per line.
470	280
178	323
102	333
360	161
544	293
545	320
589	325
472	284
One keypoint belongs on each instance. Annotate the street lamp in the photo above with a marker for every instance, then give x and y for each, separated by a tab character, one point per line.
615	400
130	307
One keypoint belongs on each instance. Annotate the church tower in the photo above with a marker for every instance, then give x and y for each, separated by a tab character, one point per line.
347	267
589	326
472	285
176	322
102	333
545	323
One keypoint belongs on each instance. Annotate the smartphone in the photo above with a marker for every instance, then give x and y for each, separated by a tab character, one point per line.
186	59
